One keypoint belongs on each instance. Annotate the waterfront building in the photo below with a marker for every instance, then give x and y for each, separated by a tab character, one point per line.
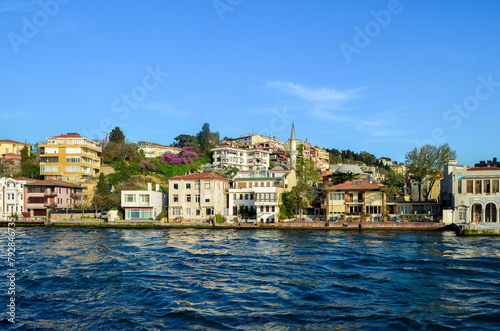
471	194
141	205
355	198
12	197
258	192
44	195
152	150
197	197
70	158
244	159
8	146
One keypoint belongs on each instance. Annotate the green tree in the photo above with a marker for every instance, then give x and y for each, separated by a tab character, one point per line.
307	176
30	167
426	163
116	136
393	184
102	197
341	177
207	140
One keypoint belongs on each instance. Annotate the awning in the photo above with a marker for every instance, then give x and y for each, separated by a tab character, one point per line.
25	214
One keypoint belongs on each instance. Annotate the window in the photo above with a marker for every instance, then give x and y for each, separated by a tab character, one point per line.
487	187
478	187
207	197
130	197
197	185
459	187
73	159
188	186
267	209
462	215
246	196
210	211
207	184
188	211
198	212
144	198
469	186
196	198
251	196
73	168
176	197
176	211
241	196
273	209
261	209
494	186
49	169
234	196
176	186
188	197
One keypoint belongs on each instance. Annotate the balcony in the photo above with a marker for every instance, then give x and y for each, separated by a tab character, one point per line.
50	194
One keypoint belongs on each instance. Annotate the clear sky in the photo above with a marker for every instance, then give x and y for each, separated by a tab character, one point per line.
377	76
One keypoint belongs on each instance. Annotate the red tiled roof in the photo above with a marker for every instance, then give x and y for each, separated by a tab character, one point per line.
203	175
8	141
482	168
350	186
50	182
67	135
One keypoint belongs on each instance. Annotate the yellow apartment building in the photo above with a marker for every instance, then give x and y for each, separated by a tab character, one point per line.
70	158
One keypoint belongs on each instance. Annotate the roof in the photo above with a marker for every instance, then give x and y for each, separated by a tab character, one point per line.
349	168
355	185
67	135
203	175
148	143
239	148
483	168
8	141
50	182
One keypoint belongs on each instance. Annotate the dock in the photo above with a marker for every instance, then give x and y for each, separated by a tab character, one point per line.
476	229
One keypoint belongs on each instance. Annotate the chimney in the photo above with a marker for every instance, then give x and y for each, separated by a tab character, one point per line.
150	187
157	187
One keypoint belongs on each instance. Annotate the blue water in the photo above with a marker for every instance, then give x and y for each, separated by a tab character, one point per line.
152	279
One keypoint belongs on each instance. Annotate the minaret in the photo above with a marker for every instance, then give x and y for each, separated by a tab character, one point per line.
293	148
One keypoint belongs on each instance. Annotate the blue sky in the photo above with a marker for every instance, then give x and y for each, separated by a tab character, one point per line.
377	76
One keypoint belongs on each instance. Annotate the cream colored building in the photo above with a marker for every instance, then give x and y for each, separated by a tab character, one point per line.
152	150
260	191
197	197
70	158
471	194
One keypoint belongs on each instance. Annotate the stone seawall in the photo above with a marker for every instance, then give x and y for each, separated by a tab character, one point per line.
363	225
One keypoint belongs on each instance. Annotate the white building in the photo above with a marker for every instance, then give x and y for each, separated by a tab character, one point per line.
244	159
471	194
12	197
259	191
143	205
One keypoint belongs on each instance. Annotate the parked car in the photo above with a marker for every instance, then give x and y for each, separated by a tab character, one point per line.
104	215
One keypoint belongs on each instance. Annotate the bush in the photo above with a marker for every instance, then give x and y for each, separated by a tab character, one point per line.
219	218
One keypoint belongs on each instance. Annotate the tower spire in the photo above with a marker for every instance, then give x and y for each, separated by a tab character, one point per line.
293	132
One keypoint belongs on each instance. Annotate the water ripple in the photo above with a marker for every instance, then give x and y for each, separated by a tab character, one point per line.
154	279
